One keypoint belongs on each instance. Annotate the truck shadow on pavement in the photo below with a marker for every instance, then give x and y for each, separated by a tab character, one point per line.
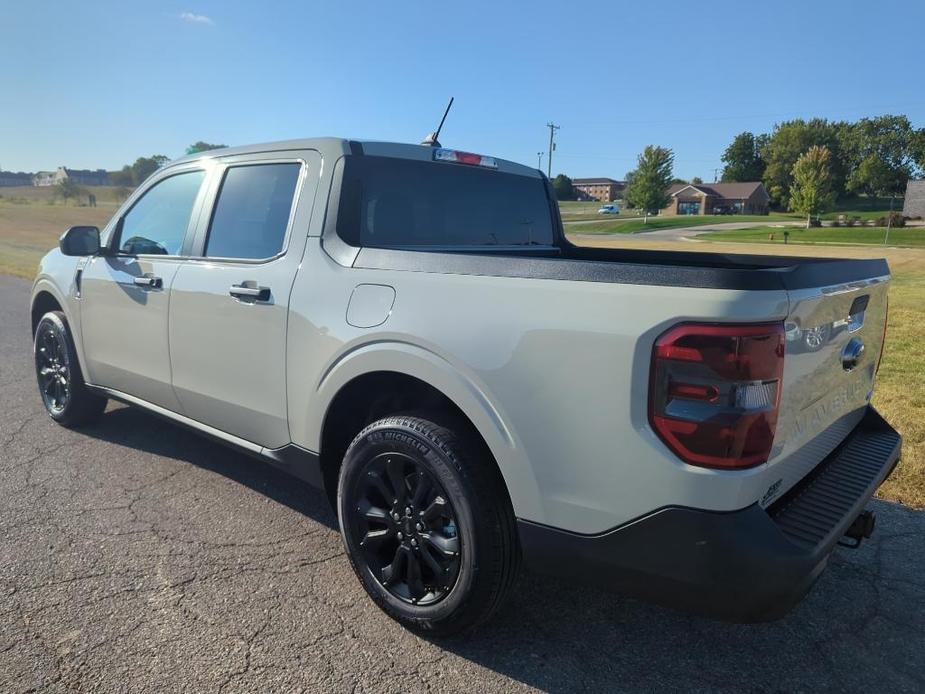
861	628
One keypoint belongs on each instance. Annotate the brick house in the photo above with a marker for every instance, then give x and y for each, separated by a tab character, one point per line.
717	198
914	204
601	189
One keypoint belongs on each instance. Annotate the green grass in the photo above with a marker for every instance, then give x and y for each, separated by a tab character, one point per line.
900	392
913	237
636	224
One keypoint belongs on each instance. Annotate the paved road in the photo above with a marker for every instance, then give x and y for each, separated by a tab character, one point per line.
135	556
679	233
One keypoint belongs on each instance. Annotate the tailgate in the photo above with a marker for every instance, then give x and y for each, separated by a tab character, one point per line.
834	338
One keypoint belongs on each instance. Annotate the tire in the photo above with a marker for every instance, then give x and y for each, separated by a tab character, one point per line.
465	548
64	393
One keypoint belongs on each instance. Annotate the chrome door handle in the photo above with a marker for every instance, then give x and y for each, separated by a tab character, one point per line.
244	291
149	281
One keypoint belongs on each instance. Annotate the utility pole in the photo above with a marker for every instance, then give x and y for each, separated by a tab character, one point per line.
552	147
715	173
539	160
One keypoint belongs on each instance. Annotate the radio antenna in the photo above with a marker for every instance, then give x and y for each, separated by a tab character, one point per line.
431	140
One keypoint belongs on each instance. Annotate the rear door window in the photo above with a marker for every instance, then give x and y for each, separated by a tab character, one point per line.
252	212
394	203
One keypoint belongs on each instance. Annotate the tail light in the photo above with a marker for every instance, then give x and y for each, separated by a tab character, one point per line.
714	392
457	157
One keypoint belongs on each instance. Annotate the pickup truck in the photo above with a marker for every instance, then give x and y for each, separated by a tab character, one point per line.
408	328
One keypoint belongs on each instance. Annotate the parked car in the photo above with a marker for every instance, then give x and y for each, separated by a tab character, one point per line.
609	209
408	328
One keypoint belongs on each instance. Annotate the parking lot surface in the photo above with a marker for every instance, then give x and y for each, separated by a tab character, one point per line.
135	556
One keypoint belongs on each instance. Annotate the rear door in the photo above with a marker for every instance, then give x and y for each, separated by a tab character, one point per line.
230	302
125	295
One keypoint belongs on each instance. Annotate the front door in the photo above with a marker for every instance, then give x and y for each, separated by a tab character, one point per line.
229	304
125	294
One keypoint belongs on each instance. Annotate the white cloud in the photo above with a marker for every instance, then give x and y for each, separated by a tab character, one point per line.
194	18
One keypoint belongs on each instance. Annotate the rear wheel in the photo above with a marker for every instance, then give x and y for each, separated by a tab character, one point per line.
61	385
427	524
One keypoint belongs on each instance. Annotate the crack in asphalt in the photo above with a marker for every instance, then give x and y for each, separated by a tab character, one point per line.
137	557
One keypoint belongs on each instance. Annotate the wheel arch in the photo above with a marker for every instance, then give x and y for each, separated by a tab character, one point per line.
376	380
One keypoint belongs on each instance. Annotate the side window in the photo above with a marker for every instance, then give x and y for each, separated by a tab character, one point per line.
252	211
157	223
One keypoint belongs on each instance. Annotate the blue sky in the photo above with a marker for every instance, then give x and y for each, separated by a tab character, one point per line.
97	84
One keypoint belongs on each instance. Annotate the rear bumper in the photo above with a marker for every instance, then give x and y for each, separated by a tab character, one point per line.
750	565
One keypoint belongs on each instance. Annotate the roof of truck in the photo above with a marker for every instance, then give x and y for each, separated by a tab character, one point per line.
339	145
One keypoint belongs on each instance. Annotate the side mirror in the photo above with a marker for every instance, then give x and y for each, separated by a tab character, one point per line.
80	241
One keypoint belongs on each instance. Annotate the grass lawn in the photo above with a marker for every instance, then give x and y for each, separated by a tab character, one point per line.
635	224
31	224
906	236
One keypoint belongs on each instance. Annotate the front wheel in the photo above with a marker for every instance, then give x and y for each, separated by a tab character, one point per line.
61	385
427	524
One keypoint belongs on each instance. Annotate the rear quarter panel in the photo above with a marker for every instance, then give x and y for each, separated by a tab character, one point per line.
553	373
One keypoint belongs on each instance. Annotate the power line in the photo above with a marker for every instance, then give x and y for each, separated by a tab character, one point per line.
552	147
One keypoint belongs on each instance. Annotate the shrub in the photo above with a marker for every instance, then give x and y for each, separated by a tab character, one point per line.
895	219
836	223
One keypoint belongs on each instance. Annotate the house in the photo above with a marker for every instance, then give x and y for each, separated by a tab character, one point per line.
82	177
15	178
602	189
718	198
914	204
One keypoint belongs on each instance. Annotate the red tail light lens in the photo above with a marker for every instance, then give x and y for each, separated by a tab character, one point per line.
714	392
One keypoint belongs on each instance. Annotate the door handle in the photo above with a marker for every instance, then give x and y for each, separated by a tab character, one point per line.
149	281
250	290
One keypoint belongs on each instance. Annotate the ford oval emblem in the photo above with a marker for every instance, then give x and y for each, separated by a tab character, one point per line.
852	353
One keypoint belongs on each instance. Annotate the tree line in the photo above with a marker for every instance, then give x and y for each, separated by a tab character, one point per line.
871	156
132	175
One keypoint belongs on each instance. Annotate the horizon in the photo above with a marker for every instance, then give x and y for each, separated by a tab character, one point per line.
240	75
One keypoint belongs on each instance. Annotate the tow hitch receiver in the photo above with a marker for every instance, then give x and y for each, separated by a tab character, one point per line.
860	529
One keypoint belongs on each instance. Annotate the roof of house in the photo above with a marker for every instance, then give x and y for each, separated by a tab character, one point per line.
730	191
595	181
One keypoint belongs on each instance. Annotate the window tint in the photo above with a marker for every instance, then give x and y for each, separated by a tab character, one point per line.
400	202
252	211
157	223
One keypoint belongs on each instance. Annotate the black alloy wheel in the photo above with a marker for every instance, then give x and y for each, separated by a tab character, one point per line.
406	529
427	523
52	366
66	397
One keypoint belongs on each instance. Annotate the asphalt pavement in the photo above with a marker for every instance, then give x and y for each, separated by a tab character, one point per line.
135	556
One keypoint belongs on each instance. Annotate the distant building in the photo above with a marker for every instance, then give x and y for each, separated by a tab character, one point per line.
602	189
15	178
914	204
717	198
82	177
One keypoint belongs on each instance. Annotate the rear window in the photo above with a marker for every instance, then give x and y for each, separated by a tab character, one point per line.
394	203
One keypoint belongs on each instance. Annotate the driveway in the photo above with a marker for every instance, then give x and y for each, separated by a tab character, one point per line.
679	233
135	556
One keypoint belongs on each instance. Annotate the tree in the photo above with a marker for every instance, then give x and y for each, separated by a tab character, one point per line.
883	156
202	147
649	187
742	158
811	192
67	189
562	184
696	181
789	141
122	177
145	166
